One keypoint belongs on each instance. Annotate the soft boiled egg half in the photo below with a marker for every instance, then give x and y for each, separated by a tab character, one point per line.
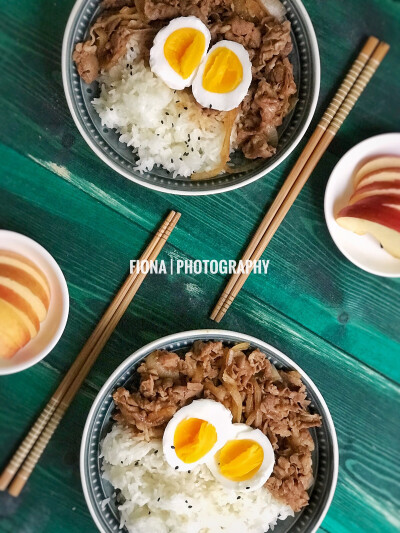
195	433
245	461
178	50
224	77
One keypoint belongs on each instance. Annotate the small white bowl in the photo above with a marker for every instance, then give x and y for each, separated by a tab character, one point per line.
362	250
53	325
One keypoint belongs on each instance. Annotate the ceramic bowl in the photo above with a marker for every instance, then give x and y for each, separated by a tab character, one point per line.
105	143
362	250
53	325
99	422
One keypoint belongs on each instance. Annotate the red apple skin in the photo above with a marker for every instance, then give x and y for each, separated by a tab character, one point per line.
389	188
375	209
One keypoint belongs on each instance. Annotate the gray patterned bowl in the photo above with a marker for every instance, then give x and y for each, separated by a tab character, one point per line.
99	422
105	143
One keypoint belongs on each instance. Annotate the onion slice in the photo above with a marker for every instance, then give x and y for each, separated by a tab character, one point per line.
229	120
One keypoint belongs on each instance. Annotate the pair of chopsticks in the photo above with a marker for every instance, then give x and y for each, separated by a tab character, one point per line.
25	458
354	83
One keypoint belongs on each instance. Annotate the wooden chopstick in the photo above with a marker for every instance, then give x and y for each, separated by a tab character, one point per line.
78	371
310	158
336	102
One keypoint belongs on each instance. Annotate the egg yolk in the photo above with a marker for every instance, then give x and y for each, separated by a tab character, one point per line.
193	439
240	459
183	49
223	71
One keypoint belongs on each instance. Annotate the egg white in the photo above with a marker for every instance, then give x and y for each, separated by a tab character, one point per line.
158	62
211	411
223	101
243	431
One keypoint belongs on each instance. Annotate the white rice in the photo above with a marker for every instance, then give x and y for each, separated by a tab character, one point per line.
157	497
163	126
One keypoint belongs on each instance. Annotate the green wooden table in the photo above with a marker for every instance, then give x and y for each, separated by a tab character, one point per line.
339	323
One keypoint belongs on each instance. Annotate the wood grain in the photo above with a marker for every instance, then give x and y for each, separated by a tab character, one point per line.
339	323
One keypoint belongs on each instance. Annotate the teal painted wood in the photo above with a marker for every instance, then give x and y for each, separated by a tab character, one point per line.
339	323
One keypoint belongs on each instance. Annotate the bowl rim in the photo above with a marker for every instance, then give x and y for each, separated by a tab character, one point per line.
315	64
215	334
330	194
53	265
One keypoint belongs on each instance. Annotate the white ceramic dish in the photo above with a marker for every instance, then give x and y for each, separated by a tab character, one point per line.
53	326
362	250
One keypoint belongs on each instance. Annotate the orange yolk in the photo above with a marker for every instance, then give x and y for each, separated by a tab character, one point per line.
240	459
223	71
193	439
183	50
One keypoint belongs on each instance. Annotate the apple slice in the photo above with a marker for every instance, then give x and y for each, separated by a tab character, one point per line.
391	188
23	309
24	284
377	217
377	163
387	174
19	261
13	332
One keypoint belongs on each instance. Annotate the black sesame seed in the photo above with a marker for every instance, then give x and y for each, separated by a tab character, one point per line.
172	124
238	498
158	499
177	102
166	113
189	136
185	108
186	501
179	115
162	122
137	462
131	73
111	109
172	447
176	468
189	471
247	488
149	512
190	506
172	162
181	159
192	149
155	451
127	65
210	106
198	138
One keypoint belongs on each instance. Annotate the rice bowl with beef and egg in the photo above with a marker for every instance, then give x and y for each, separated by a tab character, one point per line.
251	129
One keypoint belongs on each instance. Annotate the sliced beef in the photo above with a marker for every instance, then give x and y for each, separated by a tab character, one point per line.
85	57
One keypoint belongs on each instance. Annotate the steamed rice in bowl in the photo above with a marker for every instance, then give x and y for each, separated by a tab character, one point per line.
138	458
159	499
